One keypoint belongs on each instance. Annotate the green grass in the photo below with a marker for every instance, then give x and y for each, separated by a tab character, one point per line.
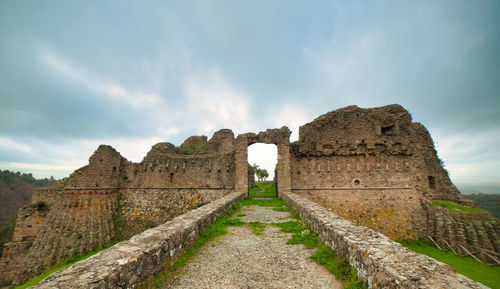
283	209
489	276
338	266
194	148
268	190
63	264
257	227
301	234
324	256
456	208
275	202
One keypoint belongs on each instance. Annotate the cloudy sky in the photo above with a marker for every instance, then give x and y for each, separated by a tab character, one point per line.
75	74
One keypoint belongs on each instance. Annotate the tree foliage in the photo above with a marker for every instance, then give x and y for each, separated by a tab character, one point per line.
261	174
489	202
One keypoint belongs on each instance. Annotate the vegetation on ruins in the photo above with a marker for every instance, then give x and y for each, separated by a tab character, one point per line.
489	202
488	275
194	148
301	234
456	208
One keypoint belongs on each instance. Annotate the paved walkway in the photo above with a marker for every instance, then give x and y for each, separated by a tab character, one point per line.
241	259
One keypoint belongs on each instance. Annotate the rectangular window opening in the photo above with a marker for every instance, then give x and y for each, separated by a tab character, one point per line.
432	182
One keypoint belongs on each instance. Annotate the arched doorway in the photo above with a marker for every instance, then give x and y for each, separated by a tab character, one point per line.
279	137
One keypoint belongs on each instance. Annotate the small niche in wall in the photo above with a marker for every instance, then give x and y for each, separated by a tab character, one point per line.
432	182
114	169
171	177
389	130
356	182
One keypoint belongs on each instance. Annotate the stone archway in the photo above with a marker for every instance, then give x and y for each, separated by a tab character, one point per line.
281	138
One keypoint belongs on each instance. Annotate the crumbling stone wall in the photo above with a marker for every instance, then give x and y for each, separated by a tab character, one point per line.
104	170
113	199
80	221
373	166
130	263
142	209
477	232
380	261
30	220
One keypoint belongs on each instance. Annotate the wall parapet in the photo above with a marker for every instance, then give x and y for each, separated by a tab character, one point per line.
129	263
377	259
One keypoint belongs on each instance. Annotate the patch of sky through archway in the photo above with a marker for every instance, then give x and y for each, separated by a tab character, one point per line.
265	156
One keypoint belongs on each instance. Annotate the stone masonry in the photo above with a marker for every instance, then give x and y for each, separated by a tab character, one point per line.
377	259
373	166
112	199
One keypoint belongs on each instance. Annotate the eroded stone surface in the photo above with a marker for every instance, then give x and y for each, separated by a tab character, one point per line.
373	166
384	263
131	262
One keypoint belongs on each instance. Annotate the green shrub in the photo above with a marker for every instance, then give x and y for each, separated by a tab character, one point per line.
456	208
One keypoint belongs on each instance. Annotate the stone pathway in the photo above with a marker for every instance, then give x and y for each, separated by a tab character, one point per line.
241	259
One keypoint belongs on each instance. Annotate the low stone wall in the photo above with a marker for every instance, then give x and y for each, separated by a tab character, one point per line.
377	259
129	263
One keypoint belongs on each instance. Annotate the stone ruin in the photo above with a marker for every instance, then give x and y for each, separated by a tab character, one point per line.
374	167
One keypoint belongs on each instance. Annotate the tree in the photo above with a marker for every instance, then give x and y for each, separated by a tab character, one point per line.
261	174
265	174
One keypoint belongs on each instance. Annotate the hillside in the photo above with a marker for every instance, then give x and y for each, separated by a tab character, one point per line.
490	202
15	192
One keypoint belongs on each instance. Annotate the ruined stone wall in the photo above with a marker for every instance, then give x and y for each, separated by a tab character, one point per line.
477	232
141	209
29	221
104	170
114	199
372	166
380	261
80	221
397	213
215	170
130	263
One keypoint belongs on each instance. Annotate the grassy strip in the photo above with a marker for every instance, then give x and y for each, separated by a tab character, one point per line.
262	190
456	208
324	256
211	232
338	266
489	276
301	234
63	264
275	202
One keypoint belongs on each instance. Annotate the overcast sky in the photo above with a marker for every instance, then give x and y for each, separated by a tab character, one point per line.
75	74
